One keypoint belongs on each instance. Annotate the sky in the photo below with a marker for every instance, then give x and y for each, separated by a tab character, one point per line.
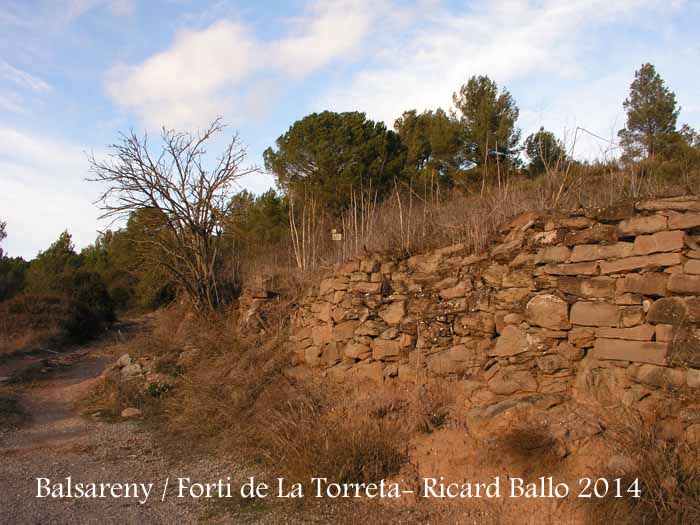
76	73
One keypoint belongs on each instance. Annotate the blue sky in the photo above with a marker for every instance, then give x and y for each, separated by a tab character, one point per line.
73	73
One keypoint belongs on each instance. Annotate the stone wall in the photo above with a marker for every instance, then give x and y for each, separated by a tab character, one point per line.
603	305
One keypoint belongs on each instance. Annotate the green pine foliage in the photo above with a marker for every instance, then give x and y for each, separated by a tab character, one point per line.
328	155
652	114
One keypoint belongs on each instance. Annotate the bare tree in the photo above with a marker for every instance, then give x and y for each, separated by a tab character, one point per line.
194	202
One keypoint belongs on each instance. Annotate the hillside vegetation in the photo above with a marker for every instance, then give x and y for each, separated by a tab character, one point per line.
227	270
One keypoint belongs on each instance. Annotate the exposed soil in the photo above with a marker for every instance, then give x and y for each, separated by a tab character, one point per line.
57	442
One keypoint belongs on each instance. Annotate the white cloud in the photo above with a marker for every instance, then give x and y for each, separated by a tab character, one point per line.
186	85
43	192
506	39
74	9
327	31
22	79
202	73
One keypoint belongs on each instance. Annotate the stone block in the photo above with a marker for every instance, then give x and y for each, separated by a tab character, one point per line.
368	371
507	382
493	275
642	225
447	282
595	314
332	284
322	334
550	363
454	292
393	313
595	234
598	287
511	296
553	254
338	314
631	316
383	348
513	341
345	330
322	311
349	267
634	351
642	262
302	344
425	263
682	283
581	336
507	250
312	355
665	333
583	268
368	288
355	350
370	328
643	332
649	283
693	378
658	376
669	310
684	221
592	252
454	360
331	354
476	322
407	373
683	203
665	241
628	299
570	352
616	212
523	259
387	268
548	311
692	266
518	279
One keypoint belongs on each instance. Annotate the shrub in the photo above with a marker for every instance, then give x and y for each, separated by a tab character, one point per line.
31	320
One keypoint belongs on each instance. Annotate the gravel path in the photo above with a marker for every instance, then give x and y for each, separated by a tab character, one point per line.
57	442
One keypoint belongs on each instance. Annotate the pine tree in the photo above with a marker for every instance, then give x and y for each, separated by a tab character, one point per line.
544	150
488	118
651	115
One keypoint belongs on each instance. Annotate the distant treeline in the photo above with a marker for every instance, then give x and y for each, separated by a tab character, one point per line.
331	169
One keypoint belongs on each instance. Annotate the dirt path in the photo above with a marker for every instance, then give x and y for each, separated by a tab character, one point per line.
57	442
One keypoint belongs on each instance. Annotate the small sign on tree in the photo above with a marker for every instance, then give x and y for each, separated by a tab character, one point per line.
335	235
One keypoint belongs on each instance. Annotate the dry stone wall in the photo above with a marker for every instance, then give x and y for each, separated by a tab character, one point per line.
603	305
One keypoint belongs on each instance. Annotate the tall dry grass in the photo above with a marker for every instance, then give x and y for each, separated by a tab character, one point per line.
424	215
667	470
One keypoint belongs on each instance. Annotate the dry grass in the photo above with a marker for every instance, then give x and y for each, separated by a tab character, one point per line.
668	472
413	220
344	443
